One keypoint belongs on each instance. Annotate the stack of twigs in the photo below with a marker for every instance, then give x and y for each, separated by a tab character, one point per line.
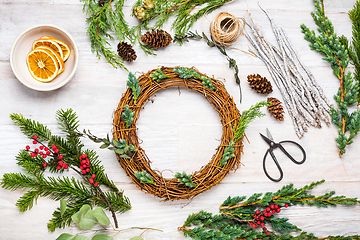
209	175
305	101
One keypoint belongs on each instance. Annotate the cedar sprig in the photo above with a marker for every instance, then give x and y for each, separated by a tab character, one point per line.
103	21
228	153
144	177
127	116
133	84
76	192
247	116
334	50
237	216
185	179
158	75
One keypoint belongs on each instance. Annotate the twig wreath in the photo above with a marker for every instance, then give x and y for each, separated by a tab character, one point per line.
226	157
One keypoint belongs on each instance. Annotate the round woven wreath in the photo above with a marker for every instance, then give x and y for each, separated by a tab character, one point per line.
209	175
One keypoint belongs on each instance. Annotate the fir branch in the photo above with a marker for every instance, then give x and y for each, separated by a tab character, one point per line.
334	50
185	179
144	177
246	217
246	118
133	84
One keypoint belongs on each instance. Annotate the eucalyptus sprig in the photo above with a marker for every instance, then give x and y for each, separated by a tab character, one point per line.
333	48
247	217
185	179
59	155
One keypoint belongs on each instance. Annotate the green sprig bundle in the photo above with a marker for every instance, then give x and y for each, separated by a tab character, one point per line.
249	217
58	154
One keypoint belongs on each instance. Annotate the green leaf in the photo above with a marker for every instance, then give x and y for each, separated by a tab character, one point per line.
137	238
119	151
100	215
62	206
88	221
65	236
105	145
101	237
80	237
80	214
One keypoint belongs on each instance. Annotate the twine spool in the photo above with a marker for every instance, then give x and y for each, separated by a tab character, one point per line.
226	29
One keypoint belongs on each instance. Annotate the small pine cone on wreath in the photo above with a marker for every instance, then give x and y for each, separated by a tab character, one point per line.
259	84
126	51
157	39
275	108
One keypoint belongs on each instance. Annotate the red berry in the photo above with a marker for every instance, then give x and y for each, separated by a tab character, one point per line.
27	147
53	147
262	224
254	216
65	166
36	150
35	137
91	180
47	152
269	214
257	212
60	157
93	176
278	210
41	147
264	229
44	156
264	211
88	170
95	184
60	163
58	167
32	154
83	171
258	222
276	206
56	150
44	164
273	211
34	142
262	218
286	205
268	209
267	233
84	155
41	153
81	167
272	206
46	148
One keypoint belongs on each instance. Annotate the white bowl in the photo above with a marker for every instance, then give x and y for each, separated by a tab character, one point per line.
23	45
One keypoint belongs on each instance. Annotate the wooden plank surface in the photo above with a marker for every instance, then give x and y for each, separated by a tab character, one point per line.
180	131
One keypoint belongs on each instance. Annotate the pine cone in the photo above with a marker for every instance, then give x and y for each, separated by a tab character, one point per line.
275	108
102	2
259	84
126	51
157	39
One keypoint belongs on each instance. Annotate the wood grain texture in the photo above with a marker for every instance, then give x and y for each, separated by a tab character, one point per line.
180	131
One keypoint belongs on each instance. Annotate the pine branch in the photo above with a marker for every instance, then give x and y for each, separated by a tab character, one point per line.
334	50
246	217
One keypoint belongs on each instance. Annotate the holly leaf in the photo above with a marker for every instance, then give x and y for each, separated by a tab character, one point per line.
100	215
62	207
101	237
137	238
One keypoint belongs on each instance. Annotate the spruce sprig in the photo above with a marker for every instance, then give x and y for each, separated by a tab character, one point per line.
247	116
335	52
76	192
239	216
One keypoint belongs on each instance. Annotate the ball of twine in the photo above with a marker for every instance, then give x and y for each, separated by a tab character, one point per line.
226	29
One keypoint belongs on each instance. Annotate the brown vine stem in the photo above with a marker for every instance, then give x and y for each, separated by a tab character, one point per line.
176	6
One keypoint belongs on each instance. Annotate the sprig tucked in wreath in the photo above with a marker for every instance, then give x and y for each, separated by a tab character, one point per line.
227	156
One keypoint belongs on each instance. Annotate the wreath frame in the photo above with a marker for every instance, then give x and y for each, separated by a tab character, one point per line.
209	175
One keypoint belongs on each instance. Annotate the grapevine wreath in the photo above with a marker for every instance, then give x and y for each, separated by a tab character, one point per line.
209	175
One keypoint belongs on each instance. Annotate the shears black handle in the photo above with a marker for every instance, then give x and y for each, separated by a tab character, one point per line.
278	145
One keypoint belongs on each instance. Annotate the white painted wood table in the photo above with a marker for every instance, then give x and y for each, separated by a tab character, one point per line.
180	132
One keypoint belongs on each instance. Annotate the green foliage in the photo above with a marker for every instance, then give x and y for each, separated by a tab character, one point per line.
246	118
335	51
127	116
185	179
187	73
75	192
158	75
228	153
144	177
133	84
236	218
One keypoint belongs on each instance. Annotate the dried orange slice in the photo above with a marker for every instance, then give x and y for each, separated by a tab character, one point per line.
61	64
42	64
64	47
50	43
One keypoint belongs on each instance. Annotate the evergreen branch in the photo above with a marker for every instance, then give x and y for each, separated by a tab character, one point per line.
127	116
334	49
246	118
228	153
185	179
240	217
158	75
187	73
133	84
144	177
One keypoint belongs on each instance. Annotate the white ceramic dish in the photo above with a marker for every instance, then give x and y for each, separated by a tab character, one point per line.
23	45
